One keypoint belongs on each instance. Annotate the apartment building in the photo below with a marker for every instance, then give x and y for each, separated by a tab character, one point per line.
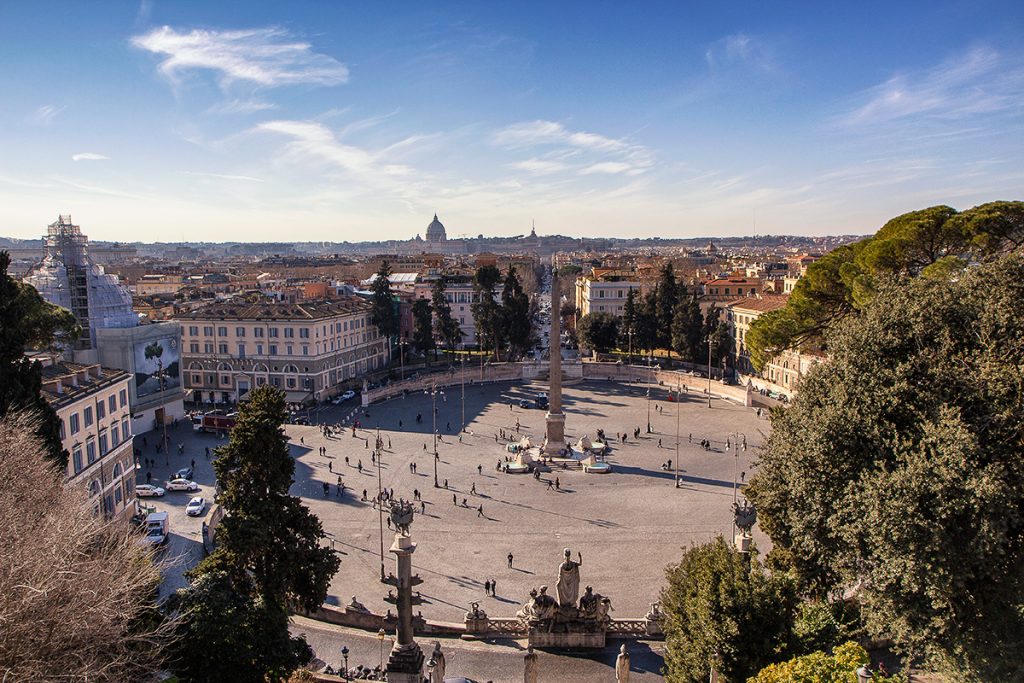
460	295
95	428
307	349
600	295
783	371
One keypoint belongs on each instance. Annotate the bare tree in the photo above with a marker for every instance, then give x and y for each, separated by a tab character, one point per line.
76	591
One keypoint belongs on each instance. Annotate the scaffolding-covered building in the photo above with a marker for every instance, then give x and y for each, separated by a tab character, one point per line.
68	278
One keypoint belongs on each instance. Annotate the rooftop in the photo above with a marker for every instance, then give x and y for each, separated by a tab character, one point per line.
272	310
65	382
761	304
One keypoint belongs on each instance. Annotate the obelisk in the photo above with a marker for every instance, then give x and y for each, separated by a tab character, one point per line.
405	664
555	443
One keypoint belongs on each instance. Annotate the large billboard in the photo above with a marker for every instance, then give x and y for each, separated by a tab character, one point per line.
157	366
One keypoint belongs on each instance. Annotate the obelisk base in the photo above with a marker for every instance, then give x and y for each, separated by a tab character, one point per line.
555	433
405	665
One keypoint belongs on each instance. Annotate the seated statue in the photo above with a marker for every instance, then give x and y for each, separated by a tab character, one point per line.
589	603
526	613
356	606
603	608
545	606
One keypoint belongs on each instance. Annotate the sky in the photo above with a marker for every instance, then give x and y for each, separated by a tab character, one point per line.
307	121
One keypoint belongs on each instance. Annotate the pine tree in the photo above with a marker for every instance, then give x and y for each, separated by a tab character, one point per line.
627	328
665	305
384	315
487	312
518	322
422	326
446	327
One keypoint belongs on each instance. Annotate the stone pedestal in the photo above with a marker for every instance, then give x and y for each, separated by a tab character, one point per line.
572	639
405	664
555	434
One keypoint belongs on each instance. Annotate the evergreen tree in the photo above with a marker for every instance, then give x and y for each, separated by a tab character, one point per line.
598	331
269	553
720	601
27	321
446	327
515	314
665	305
487	312
422	326
646	335
384	315
687	328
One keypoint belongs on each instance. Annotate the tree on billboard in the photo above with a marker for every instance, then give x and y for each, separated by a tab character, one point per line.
154	351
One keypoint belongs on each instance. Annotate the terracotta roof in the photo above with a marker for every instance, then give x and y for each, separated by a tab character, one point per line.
760	304
76	381
306	310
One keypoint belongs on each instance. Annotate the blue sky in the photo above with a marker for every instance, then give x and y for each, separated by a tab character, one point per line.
162	121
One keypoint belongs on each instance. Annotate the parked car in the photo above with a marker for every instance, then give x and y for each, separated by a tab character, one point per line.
300	420
523	403
195	507
347	395
157	526
183	473
148	491
182	485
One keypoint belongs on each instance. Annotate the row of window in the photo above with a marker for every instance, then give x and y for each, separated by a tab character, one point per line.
97	447
272	349
77	422
275	332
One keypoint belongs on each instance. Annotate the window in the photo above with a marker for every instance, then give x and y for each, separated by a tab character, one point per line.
239	331
241	350
289	332
208	347
61	422
273	349
260	381
197	379
193	330
104	444
208	330
117	495
225	380
101	410
126	432
272	332
291	382
290	350
90	451
257	332
193	347
276	381
123	397
259	349
222	331
305	349
115	434
87	415
345	326
112	404
304	332
222	348
76	456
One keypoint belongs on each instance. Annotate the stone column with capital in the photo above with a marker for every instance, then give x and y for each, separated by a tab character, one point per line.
405	663
555	419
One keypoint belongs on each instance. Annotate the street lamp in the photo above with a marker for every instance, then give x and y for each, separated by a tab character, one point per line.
678	410
463	357
431	665
380	502
380	637
648	409
433	401
344	659
709	371
401	355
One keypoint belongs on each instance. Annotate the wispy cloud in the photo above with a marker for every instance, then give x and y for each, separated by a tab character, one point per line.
241	106
224	176
266	57
595	153
740	49
313	140
44	115
977	82
88	156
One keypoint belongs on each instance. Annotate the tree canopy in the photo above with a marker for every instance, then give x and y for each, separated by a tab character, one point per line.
517	319
598	331
269	552
27	321
721	601
422	326
384	315
929	242
897	471
446	327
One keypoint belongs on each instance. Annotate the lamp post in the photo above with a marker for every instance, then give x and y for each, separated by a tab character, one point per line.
344	659
380	502
648	409
678	410
433	405
463	357
431	665
401	355
709	371
380	637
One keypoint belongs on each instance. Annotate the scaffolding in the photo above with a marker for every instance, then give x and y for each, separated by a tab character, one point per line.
67	277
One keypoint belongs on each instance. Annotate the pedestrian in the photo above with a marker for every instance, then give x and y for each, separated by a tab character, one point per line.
389	443
479	469
399	424
424	445
558	485
302	440
207	452
339	480
455	501
448	427
499	466
487	587
464	503
327	489
480	510
149	477
446	483
330	467
659	443
364	494
689	439
494	588
510	560
360	466
551	484
346	460
423	508
472	489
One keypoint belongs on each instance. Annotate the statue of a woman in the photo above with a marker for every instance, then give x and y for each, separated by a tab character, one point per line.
568	587
622	666
439	664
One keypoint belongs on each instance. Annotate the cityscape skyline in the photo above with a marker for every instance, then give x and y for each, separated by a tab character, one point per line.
165	123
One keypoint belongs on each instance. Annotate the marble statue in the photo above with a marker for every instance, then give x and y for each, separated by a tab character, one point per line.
568	587
437	676
530	666
622	666
589	603
527	612
544	606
